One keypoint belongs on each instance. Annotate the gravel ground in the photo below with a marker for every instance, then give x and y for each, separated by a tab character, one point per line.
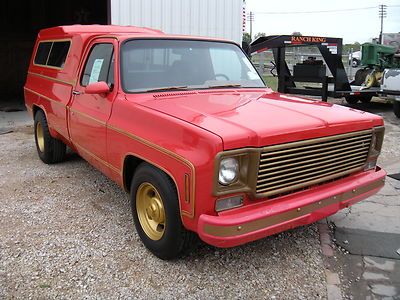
66	232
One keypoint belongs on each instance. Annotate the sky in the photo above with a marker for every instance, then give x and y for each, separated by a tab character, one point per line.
354	25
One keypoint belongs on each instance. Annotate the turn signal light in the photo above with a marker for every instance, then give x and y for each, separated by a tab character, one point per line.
228	203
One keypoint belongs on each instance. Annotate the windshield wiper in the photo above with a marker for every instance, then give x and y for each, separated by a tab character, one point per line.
167	88
224	85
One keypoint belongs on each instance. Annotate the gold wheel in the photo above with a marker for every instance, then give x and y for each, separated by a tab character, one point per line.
40	136
150	211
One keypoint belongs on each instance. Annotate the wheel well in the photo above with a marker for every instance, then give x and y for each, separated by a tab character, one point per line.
35	109
130	164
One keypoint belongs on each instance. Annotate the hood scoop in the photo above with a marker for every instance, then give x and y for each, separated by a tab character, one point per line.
172	94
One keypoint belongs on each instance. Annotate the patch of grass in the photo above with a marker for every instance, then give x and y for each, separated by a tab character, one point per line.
271	82
44	286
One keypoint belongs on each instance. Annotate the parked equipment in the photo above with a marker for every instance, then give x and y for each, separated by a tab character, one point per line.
375	58
337	85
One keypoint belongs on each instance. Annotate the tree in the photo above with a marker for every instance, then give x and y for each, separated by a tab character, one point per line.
246	38
347	47
297	33
259	34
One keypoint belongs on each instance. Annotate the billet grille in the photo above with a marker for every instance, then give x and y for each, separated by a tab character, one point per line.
293	166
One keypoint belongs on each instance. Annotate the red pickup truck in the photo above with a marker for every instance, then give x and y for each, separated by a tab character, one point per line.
188	128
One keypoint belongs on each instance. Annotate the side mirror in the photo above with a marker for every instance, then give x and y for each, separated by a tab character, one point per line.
100	87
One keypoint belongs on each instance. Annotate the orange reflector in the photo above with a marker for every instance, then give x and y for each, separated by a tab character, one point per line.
187	188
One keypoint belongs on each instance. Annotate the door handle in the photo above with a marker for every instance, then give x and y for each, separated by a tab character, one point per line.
76	92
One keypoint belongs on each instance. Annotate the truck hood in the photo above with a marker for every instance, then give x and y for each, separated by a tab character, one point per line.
256	118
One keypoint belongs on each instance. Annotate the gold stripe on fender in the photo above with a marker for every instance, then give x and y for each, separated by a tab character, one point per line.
236	230
170	154
91	154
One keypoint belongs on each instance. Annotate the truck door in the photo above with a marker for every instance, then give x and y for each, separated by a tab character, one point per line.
89	113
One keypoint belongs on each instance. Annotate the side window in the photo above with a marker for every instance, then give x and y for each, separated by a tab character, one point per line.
58	54
98	65
52	54
42	53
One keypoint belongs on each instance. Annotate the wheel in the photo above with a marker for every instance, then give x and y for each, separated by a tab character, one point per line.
396	108
351	99
354	63
366	99
156	213
50	150
359	77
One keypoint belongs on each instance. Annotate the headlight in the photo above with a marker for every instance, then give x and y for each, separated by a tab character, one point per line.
228	171
235	171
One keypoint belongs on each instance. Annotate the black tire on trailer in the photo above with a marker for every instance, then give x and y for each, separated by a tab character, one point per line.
355	63
50	150
351	99
156	213
396	108
359	77
366	99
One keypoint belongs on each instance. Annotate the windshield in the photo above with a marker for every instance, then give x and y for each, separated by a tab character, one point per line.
148	65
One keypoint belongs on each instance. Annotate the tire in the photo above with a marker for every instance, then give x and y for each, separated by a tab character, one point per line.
50	150
359	77
366	99
355	63
396	108
352	99
156	213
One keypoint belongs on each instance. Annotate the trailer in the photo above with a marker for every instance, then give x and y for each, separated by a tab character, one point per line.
312	70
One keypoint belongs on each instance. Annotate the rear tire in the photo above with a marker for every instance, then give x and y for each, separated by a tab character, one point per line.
156	213
50	150
396	108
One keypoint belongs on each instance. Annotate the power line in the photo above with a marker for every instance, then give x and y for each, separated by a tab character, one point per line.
319	11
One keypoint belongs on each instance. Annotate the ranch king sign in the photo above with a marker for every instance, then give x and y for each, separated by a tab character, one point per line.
308	39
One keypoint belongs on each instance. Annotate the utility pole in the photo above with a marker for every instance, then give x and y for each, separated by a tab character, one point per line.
382	14
250	18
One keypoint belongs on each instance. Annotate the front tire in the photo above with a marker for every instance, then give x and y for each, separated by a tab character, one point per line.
396	108
50	150
156	213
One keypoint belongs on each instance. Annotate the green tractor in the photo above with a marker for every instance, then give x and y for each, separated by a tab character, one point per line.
375	58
